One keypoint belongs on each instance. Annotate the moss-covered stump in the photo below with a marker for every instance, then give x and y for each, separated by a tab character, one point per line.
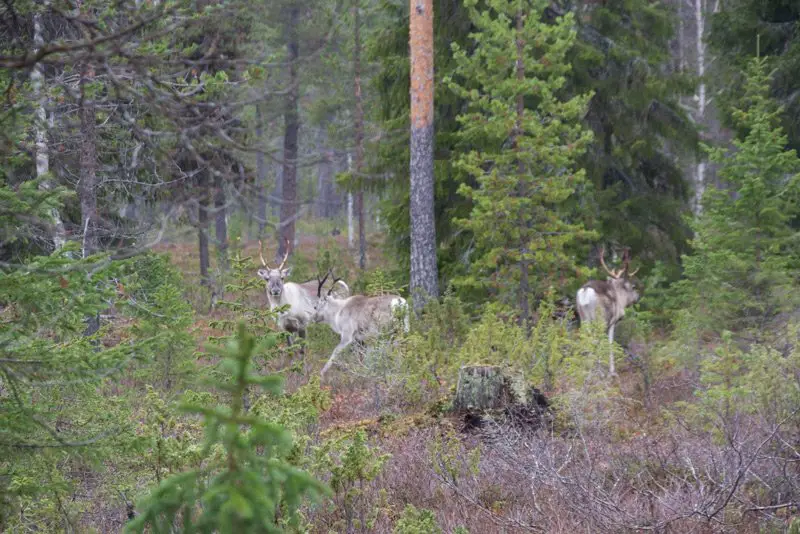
485	391
481	387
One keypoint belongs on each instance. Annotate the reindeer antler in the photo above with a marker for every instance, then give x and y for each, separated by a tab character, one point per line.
322	283
261	253
333	285
611	273
285	256
626	260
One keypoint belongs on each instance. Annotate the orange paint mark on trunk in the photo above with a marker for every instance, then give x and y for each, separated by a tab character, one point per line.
421	45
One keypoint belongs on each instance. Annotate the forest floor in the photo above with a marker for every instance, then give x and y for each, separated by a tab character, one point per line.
436	461
397	426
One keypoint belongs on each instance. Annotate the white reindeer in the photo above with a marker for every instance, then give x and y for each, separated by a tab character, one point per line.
610	297
357	318
301	298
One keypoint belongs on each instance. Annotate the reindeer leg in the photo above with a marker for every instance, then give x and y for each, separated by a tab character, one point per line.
302	334
339	348
611	370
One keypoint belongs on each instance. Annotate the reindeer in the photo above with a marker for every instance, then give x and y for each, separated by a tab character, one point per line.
301	298
610	296
358	317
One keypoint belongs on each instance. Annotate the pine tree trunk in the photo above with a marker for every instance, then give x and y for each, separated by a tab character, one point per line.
42	125
292	125
424	277
325	175
221	223
87	186
261	172
202	228
358	128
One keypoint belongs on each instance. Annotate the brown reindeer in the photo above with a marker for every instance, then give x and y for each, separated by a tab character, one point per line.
609	297
357	318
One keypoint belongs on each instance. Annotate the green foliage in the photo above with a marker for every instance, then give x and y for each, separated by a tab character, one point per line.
429	348
249	486
743	272
414	521
240	301
635	193
640	195
522	135
352	465
380	282
153	293
57	409
744	29
171	440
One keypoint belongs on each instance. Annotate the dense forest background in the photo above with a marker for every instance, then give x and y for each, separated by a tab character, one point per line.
149	147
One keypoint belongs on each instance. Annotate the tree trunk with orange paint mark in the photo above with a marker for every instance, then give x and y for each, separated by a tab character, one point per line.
424	276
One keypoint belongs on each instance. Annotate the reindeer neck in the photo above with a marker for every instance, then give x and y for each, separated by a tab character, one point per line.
332	309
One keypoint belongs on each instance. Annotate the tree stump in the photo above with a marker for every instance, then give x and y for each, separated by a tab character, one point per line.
485	391
481	387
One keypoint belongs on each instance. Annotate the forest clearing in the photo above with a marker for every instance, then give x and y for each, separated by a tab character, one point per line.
400	266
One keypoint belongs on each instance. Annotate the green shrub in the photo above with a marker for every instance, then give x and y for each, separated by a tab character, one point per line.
414	521
247	484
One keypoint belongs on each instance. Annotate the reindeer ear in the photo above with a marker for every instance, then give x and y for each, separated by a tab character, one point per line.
263	274
286	272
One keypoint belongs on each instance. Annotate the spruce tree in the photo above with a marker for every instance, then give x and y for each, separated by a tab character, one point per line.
522	135
743	268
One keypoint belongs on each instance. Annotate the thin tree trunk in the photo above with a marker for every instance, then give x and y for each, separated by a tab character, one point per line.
424	277
325	173
358	128
700	171
221	222
350	230
87	185
202	228
524	286
261	173
292	124
42	124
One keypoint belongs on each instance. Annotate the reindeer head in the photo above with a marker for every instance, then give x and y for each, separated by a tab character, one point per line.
324	297
273	277
621	279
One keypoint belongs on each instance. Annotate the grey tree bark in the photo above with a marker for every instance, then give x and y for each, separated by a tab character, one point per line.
292	125
692	55
424	275
358	128
326	188
87	184
42	126
202	227
220	222
261	173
